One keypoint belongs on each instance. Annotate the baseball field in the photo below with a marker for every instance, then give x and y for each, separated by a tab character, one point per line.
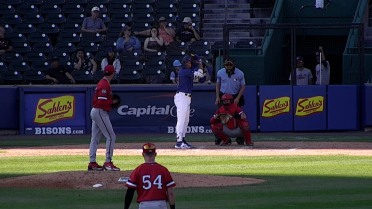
282	171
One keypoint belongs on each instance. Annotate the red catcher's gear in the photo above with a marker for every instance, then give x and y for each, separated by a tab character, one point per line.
233	123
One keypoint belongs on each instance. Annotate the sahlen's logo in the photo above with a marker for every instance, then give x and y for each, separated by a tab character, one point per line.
53	109
307	106
273	107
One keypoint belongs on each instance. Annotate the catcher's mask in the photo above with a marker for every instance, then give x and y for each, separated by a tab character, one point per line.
227	99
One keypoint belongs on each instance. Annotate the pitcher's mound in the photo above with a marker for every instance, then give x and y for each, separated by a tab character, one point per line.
109	180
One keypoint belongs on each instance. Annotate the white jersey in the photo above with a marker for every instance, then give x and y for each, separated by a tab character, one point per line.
323	74
303	76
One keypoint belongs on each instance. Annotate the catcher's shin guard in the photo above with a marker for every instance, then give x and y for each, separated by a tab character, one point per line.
218	133
246	132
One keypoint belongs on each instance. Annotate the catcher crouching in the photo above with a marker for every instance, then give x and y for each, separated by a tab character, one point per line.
230	121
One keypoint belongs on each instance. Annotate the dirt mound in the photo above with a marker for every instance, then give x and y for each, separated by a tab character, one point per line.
109	180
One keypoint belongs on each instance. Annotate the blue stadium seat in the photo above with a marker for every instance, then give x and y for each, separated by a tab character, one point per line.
71	27
11	19
56	18
75	18
82	77
40	66
67	47
7	9
48	28
19	66
21	47
33	18
34	2
64	57
38	37
3	66
58	2
24	28
73	9
11	2
12	57
119	8
35	56
16	37
50	9
27	9
44	47
68	37
11	78
34	77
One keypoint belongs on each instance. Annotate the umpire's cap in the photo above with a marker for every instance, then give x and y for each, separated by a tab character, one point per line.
148	148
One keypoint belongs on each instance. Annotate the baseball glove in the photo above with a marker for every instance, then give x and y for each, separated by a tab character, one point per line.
116	100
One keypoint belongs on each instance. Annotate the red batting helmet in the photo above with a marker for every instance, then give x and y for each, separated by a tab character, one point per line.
227	99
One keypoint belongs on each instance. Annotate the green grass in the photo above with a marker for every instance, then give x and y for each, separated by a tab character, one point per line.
326	182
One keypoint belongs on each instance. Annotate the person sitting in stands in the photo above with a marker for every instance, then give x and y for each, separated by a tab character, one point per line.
127	43
58	74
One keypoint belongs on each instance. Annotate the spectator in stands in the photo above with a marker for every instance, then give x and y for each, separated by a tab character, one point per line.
111	59
83	62
303	75
322	69
166	33
154	43
58	74
187	33
174	74
93	24
5	44
127	43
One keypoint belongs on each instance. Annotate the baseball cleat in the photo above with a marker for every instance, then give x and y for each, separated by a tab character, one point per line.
93	166
182	145
109	166
226	143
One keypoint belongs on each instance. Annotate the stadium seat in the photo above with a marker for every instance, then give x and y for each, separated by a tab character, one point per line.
119	8
11	77
40	66
92	38
142	8
167	6
71	28
67	47
34	77
81	2
50	9
7	9
11	19
8	28
55	18
82	77
3	66
121	1
130	74
73	9
121	19
88	46
44	47
16	37
11	2
24	28
33	18
75	18
21	47
27	9
97	76
19	66
48	28
143	18
38	37
201	48
58	2
34	2
68	37
12	57
35	56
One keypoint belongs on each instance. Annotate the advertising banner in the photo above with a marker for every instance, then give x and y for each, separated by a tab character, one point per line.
49	113
155	112
276	112
310	109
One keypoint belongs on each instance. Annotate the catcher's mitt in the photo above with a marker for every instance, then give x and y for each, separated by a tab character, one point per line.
115	101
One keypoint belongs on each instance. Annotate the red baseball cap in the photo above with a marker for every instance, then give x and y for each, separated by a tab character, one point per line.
109	70
149	148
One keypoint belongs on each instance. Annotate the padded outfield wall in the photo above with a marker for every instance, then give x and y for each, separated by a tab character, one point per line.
35	110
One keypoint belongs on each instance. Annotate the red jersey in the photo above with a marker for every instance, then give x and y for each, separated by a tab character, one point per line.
102	95
151	180
231	109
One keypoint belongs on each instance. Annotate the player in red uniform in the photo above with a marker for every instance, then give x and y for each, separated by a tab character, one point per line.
230	121
153	182
101	124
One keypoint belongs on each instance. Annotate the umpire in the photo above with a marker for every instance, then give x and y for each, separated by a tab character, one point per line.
230	80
